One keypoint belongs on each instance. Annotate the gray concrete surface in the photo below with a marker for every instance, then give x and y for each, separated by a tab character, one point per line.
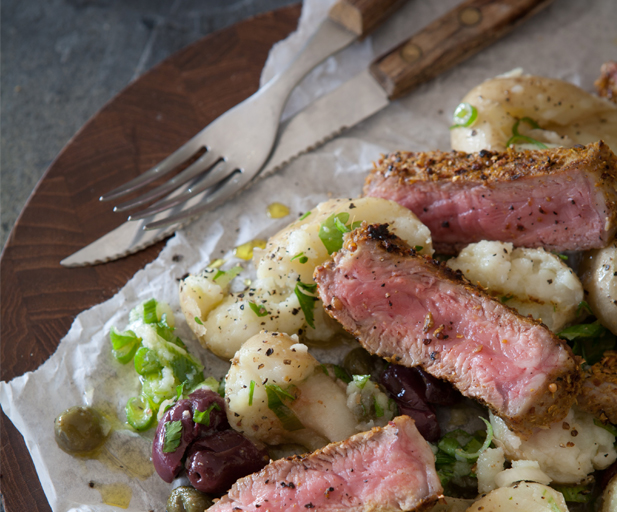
62	60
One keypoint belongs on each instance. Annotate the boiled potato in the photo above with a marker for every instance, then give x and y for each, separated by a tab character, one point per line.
609	496
448	504
490	464
522	497
277	359
566	114
567	452
598	273
532	281
222	321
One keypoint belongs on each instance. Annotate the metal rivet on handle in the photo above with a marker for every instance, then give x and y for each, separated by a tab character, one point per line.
470	16
411	52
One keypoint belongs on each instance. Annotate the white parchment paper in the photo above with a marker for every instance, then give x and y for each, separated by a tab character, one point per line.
569	40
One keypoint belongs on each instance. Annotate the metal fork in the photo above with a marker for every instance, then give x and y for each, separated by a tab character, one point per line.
236	144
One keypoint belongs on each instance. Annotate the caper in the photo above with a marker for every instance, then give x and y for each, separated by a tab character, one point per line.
80	430
359	362
188	499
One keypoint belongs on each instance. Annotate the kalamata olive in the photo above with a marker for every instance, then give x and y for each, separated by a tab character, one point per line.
168	461
359	362
80	430
406	387
215	462
187	499
437	391
608	474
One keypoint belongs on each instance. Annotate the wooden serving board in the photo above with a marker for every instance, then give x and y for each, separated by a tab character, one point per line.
143	124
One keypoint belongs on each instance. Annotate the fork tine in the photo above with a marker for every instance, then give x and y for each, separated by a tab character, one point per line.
221	169
225	190
204	162
161	169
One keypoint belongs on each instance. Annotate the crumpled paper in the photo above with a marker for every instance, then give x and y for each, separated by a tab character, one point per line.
569	40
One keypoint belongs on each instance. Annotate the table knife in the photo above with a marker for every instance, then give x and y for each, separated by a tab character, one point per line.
452	38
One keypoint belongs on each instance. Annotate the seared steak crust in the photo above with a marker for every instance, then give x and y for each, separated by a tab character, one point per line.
561	199
386	469
606	84
599	392
412	310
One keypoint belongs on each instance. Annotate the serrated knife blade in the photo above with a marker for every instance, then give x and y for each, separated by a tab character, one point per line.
447	41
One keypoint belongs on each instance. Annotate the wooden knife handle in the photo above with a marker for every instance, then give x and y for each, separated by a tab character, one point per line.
362	16
459	34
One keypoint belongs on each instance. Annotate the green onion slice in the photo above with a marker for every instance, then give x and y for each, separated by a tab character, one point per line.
305	215
517	138
140	412
460	452
150	316
464	116
124	345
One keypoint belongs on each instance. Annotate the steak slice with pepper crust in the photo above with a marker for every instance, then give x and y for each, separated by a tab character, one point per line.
559	199
412	310
599	391
386	469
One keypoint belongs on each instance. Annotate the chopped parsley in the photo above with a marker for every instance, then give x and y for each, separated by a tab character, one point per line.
332	229
589	340
258	310
198	321
276	397
251	392
203	417
173	435
307	302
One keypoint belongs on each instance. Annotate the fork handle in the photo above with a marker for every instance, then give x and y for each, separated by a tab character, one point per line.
362	16
457	35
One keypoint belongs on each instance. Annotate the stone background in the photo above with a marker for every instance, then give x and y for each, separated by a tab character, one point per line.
62	60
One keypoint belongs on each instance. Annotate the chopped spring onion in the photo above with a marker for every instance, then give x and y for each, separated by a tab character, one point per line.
147	362
517	138
276	396
464	116
258	310
487	442
198	320
150	316
303	259
124	345
140	412
361	380
173	436
224	277
305	215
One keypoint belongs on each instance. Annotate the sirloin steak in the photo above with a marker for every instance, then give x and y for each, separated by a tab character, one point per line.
412	310
386	469
560	199
599	391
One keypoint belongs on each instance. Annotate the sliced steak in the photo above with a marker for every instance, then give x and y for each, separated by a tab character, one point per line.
412	310
386	469
606	84
599	392
560	199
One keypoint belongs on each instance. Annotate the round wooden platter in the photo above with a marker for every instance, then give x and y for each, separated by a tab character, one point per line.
143	124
